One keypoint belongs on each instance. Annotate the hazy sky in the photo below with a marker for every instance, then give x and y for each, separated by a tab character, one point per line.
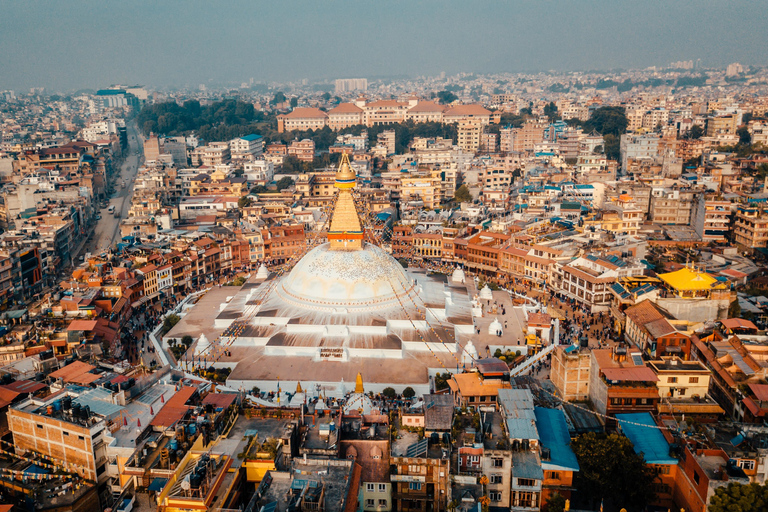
63	45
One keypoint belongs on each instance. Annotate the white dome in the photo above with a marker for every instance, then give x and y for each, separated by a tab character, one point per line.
486	293
469	355
351	281
458	276
202	345
495	327
262	273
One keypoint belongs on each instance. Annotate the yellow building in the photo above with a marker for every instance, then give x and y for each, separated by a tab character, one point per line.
425	188
689	283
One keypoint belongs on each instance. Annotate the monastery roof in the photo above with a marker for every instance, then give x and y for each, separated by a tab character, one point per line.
305	112
426	106
467	110
345	108
738	323
689	279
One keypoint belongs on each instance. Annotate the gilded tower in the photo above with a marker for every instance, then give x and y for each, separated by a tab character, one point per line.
346	231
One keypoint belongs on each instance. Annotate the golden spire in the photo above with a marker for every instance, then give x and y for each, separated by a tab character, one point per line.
298	388
359	384
346	231
345	176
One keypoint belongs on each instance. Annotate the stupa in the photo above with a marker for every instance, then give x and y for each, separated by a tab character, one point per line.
347	307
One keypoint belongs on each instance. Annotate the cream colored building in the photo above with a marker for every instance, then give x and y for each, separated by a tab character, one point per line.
681	379
570	372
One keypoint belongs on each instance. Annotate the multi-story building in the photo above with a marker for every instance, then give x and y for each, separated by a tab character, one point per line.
672	206
304	150
302	119
345	115
469	135
247	147
586	279
711	218
425	188
650	329
621	383
420	473
751	227
570	372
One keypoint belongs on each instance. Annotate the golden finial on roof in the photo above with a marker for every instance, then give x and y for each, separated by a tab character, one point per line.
345	176
298	388
359	384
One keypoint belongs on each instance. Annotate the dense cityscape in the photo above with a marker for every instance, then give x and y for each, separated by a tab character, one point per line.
533	291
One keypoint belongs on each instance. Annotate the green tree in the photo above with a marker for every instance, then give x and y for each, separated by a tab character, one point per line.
462	195
284	183
555	503
409	392
389	393
607	120
612	146
279	97
441	381
550	110
326	96
294	102
187	340
737	497
744	136
610	469
695	132
446	97
169	322
243	202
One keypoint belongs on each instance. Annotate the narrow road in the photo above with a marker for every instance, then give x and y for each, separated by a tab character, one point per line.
107	229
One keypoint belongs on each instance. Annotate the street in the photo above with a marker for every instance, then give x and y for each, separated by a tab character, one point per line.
107	229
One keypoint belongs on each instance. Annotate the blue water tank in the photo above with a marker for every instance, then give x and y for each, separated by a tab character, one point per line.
57	405
191	430
174	445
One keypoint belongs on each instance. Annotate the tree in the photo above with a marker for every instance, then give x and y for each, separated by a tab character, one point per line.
737	497
555	503
462	195
695	132
607	120
610	469
279	97
550	110
389	393
441	381
446	97
243	202
612	146
284	183
326	96
169	322
744	136
409	392
187	340
294	102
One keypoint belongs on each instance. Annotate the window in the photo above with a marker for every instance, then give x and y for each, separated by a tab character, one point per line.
696	477
370	487
494	496
671	380
495	478
526	482
382	487
382	503
497	462
39	426
369	503
747	464
681	391
66	434
554	475
693	380
414	486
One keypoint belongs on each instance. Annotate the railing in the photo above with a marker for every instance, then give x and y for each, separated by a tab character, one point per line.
528	364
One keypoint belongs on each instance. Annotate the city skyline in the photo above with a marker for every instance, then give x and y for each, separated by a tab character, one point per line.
196	43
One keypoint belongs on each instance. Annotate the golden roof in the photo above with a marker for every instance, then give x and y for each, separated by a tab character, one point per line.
346	231
690	279
359	384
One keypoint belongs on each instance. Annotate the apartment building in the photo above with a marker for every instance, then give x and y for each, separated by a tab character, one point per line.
304	150
246	148
345	115
621	383
751	227
711	218
672	206
469	136
587	279
570	372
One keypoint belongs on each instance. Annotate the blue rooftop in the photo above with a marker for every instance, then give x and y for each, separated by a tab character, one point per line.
554	436
647	440
251	137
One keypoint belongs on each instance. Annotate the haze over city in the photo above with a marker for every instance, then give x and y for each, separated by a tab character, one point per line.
78	44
